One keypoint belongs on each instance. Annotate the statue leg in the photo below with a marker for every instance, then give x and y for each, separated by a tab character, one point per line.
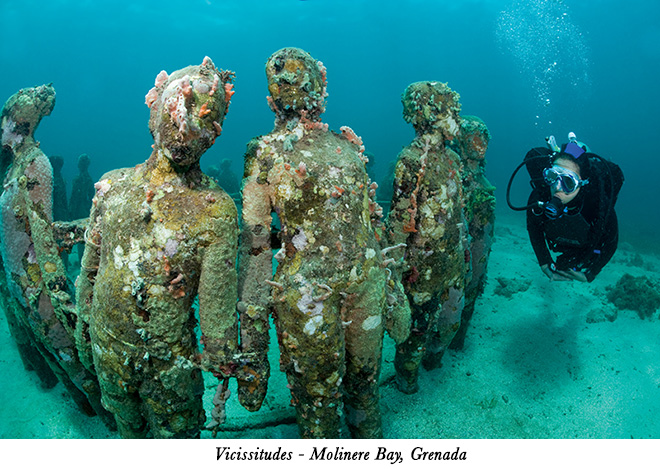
444	327
115	368
312	355
407	360
363	311
409	353
172	399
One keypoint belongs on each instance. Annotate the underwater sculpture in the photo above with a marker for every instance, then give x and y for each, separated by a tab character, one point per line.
160	235
427	215
472	143
60	205
330	295
82	193
226	177
38	298
82	190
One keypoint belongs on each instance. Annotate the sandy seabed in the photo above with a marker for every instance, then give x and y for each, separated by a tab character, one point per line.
532	367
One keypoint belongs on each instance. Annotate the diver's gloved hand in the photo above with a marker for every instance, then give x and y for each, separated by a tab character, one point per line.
553	274
572	275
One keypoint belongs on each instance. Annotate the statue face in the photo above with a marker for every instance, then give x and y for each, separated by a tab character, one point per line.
187	112
431	105
23	112
296	83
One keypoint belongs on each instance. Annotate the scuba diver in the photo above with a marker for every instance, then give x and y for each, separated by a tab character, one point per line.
571	209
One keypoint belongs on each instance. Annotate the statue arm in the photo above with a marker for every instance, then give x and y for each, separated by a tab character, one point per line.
400	220
255	271
69	233
217	300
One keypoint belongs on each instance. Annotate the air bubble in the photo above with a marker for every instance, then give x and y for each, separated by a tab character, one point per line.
549	48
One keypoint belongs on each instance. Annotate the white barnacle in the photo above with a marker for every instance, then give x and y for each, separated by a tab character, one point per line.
371	322
299	131
183	363
134	257
299	240
421	297
369	253
334	172
452	188
312	324
171	247
162	234
284	191
306	304
280	255
119	257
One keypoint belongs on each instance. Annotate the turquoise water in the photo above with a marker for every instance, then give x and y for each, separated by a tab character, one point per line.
527	68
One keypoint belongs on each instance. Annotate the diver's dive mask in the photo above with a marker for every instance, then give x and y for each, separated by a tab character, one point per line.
567	179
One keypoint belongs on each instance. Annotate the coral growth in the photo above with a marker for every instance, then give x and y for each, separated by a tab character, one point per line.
427	217
472	144
639	294
332	295
161	235
432	106
42	313
507	287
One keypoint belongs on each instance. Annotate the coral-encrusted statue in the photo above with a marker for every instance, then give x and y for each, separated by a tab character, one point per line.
427	215
473	141
82	193
60	204
160	235
82	190
329	294
37	297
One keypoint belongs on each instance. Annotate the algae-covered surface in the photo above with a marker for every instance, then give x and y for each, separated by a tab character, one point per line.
533	366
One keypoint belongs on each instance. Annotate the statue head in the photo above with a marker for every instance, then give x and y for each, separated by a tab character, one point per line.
473	138
297	84
23	112
83	162
188	108
432	106
57	162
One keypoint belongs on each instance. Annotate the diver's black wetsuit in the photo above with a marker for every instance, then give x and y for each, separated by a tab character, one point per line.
586	235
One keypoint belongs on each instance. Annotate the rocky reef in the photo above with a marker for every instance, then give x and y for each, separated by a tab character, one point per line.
639	294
